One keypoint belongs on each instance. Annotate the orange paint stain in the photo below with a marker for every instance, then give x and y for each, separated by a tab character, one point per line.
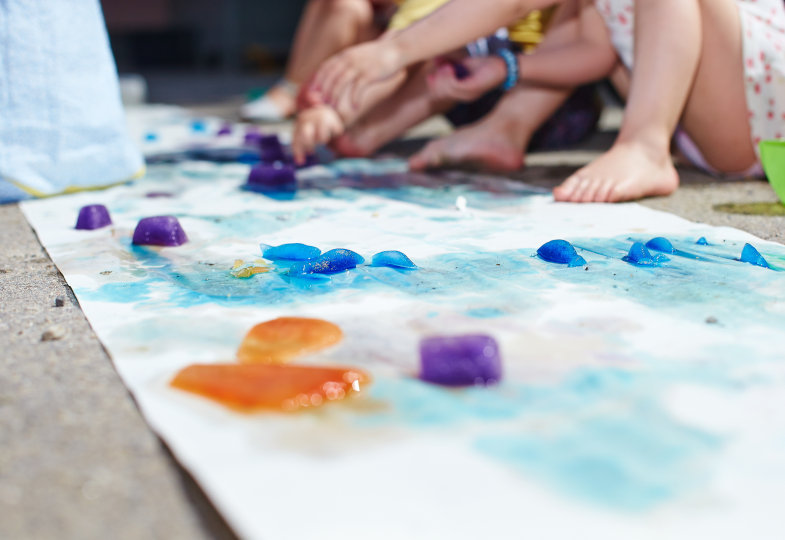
280	340
252	387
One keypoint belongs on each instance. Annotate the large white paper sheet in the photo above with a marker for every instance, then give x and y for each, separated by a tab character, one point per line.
637	402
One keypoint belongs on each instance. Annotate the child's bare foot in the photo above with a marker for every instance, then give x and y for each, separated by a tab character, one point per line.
480	145
626	172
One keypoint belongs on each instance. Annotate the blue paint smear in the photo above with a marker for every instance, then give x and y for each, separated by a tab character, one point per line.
441	279
507	281
421	190
121	292
598	435
485	313
630	462
702	241
425	405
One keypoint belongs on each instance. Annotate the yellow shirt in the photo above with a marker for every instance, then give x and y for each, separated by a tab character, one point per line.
527	32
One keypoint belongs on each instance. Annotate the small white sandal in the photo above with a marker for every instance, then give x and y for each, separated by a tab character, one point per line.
264	109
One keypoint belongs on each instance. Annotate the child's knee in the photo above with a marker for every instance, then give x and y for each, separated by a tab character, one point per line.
358	11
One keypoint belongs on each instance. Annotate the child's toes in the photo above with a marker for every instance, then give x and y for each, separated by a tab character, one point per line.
583	189
604	189
565	191
593	187
425	158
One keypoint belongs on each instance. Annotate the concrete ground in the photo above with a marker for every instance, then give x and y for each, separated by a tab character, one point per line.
76	458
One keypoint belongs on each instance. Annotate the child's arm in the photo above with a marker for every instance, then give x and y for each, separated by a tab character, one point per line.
320	123
586	59
449	27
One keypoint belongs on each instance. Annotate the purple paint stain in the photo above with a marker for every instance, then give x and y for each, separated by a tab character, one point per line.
226	129
460	360
159	231
93	216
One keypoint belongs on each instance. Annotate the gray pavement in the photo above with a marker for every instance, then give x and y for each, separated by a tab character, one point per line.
77	459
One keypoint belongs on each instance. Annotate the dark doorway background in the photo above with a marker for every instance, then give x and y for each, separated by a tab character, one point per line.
192	51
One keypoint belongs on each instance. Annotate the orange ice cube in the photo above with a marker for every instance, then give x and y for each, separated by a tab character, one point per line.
250	387
280	340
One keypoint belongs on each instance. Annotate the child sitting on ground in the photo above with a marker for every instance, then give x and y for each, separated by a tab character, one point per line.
412	95
326	27
722	81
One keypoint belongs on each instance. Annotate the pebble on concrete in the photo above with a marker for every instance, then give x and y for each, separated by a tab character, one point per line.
53	333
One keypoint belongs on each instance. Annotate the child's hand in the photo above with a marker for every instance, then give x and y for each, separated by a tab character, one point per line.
348	74
484	74
308	97
317	125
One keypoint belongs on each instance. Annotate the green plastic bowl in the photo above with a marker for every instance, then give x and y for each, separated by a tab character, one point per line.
772	156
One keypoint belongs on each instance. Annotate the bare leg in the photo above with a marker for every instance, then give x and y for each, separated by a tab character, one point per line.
698	78
326	27
499	140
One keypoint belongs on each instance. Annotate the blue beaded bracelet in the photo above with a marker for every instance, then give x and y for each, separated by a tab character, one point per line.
512	68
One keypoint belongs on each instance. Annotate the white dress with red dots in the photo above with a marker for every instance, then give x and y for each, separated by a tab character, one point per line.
763	33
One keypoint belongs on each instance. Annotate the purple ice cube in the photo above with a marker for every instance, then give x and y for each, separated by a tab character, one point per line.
269	141
93	216
269	178
271	149
310	161
252	138
159	231
460	360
